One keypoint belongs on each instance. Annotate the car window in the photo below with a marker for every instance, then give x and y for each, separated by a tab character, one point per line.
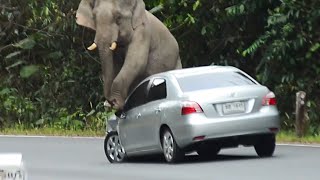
213	80
138	97
158	90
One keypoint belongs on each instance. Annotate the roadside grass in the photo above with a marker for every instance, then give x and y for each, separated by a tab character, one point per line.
290	137
282	137
51	132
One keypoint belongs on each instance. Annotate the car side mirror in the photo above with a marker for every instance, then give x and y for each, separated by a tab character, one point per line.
120	114
123	115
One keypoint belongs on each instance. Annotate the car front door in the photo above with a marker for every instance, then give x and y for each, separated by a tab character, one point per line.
129	123
151	114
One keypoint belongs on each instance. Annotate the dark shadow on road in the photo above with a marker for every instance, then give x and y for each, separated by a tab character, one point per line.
218	158
193	158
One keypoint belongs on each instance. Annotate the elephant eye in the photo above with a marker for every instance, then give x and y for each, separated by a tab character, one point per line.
94	13
117	17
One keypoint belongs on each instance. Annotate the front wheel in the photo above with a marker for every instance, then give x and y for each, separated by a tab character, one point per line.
113	148
265	146
171	150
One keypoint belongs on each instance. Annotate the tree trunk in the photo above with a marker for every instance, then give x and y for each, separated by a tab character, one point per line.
301	114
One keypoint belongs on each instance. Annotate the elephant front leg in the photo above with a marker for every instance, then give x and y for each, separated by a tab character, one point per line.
134	65
117	95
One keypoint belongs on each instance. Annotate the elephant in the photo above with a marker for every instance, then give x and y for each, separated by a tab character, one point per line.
132	44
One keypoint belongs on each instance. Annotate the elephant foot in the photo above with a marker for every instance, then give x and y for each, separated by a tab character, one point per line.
116	104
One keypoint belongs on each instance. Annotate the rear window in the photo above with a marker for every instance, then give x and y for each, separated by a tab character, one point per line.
213	80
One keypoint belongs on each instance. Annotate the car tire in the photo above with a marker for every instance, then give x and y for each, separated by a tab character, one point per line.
208	151
171	151
265	146
113	148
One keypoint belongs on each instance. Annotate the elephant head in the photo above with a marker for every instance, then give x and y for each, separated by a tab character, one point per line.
114	22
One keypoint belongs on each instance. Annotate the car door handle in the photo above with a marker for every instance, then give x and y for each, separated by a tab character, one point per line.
157	110
138	116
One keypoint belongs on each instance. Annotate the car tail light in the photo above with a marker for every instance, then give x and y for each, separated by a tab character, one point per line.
269	99
190	107
199	138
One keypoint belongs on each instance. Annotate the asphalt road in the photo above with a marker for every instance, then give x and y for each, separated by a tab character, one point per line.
83	159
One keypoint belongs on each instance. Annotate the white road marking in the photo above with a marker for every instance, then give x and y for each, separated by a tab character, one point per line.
300	145
62	137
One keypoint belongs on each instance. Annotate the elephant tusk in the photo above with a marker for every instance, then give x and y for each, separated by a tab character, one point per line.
92	47
113	46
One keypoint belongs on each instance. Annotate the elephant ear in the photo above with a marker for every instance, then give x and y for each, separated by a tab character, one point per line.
139	15
85	14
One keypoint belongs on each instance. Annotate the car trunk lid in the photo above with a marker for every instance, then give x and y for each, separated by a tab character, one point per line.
229	101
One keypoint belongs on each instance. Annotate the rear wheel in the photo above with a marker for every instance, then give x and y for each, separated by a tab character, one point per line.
171	150
266	145
113	148
208	151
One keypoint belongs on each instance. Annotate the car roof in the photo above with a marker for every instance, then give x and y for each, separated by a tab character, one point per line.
185	72
178	73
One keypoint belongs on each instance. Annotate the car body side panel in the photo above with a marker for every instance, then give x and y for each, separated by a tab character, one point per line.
152	119
146	139
128	131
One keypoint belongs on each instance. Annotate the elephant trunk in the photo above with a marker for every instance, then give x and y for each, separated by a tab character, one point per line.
107	44
107	65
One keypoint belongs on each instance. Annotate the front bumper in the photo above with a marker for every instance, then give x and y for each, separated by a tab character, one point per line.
112	123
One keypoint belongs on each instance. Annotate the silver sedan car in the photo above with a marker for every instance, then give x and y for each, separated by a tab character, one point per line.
202	109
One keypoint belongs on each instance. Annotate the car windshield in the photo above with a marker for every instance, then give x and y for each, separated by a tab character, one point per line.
213	80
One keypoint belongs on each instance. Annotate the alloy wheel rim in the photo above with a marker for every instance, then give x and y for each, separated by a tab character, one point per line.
168	145
115	149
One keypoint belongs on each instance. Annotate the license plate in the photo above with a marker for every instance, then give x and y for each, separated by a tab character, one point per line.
235	107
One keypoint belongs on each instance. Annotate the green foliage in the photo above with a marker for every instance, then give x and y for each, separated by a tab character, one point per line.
44	65
14	107
289	50
27	71
47	78
26	44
